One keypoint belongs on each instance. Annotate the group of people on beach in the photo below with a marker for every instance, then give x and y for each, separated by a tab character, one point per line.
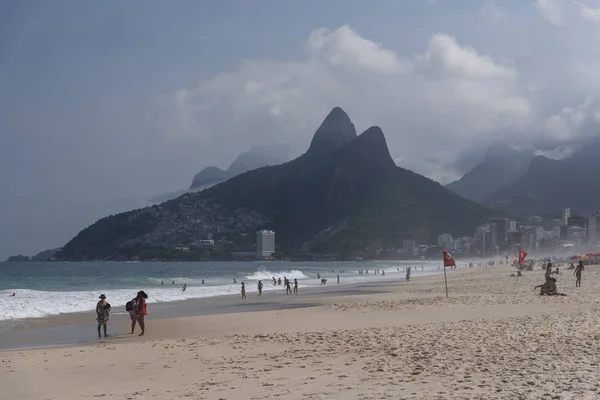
137	309
286	283
549	287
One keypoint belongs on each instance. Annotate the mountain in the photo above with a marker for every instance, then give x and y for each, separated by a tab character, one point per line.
336	130
500	167
19	258
343	196
256	157
44	255
550	185
41	256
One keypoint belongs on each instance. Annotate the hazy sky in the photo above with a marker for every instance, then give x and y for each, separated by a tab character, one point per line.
106	104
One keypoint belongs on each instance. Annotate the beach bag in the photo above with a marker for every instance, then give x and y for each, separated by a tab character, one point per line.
129	306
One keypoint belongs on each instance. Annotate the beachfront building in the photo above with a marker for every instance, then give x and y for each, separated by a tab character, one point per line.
566	214
535	220
501	226
576	234
592	228
446	241
409	246
265	244
487	239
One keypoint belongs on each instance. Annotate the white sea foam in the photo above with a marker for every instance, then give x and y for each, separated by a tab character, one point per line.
35	303
265	274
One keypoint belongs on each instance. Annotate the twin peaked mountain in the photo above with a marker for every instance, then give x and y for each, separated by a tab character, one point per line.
343	196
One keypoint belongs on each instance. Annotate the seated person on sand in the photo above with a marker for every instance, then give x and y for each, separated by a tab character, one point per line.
549	288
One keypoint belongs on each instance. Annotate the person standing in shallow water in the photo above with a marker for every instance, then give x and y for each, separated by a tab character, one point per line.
103	314
295	286
243	291
260	286
578	270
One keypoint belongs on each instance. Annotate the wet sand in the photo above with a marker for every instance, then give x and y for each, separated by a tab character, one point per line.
493	338
80	328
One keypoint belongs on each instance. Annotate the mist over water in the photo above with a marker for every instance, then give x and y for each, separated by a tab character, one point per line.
46	288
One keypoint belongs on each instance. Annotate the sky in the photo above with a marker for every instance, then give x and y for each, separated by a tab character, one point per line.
104	105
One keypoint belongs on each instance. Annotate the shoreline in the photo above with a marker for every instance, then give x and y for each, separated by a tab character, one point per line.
72	329
493	338
78	300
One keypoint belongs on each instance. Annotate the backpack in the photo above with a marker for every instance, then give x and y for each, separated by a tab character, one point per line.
129	306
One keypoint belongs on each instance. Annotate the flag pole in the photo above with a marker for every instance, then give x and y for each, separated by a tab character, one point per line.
446	281
444	265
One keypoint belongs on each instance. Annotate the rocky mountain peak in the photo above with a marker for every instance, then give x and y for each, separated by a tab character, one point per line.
335	131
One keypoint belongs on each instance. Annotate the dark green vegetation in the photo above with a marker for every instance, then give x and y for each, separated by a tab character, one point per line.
550	185
18	258
343	196
41	256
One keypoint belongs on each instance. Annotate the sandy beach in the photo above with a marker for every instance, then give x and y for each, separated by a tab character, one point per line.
494	338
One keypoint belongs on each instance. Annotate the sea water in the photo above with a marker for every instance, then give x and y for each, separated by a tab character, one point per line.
51	288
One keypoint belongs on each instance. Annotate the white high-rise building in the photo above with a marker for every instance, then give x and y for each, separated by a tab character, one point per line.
592	226
265	244
445	240
566	215
409	246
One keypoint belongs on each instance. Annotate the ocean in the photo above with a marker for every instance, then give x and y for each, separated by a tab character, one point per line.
51	288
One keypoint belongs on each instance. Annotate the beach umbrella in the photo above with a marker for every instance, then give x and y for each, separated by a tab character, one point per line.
575	258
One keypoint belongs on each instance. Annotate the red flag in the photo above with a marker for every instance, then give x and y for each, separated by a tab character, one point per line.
522	255
448	260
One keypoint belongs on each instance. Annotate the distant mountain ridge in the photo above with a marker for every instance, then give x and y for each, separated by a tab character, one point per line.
501	166
344	196
256	157
550	185
41	256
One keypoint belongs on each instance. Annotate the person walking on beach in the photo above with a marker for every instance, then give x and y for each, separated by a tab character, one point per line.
103	314
578	270
295	286
288	287
408	274
260	286
141	310
338	279
243	291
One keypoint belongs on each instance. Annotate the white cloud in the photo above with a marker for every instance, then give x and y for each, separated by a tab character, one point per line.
566	125
445	53
589	13
448	89
551	10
